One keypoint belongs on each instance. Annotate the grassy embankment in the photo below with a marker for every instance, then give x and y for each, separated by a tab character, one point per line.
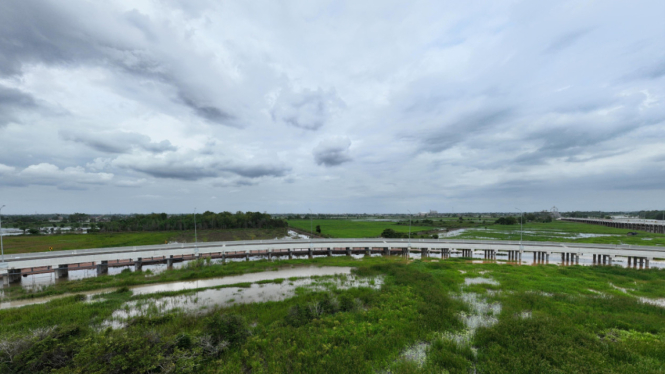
551	319
561	231
338	228
59	242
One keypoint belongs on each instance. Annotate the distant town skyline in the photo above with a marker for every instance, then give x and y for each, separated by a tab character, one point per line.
339	107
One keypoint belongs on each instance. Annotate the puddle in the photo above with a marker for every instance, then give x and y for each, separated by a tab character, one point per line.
306	271
210	298
656	302
483	314
479	280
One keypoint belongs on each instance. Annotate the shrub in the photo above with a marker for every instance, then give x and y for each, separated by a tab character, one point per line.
228	327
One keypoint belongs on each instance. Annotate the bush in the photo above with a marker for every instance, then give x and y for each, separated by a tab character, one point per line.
228	327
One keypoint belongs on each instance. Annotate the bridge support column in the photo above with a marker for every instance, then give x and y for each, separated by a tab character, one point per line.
629	261
310	253
594	259
246	255
386	251
348	251
646	263
547	258
577	259
641	262
329	252
138	264
424	252
290	253
270	254
12	276
563	258
62	271
169	262
103	268
368	251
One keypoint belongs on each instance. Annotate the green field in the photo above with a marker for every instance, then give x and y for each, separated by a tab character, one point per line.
561	231
337	228
41	243
426	317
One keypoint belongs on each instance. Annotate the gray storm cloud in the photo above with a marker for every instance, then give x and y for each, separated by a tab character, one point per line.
484	106
332	152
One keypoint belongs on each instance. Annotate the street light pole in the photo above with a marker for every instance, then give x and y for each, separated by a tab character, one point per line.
311	228
410	215
196	240
521	227
1	246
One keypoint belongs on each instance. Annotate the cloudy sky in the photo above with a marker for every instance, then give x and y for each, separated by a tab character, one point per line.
359	106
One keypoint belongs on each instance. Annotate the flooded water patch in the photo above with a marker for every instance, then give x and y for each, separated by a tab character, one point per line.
301	271
202	300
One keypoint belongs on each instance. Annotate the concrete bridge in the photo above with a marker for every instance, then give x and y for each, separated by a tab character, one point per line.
653	226
61	262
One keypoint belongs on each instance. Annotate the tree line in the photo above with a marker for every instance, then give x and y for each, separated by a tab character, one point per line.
204	221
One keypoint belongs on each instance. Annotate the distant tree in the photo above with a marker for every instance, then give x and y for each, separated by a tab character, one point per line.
506	221
318	229
33	231
390	233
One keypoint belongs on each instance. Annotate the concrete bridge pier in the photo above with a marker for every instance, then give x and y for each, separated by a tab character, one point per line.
368	251
629	260
103	268
62	271
138	265
270	254
594	259
12	276
246	255
386	251
290	254
169	262
329	252
646	264
424	252
310	253
348	251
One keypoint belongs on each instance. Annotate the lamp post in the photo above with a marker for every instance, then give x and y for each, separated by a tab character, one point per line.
196	240
311	229
1	247
410	216
521	227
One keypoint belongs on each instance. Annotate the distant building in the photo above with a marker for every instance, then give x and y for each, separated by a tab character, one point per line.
433	212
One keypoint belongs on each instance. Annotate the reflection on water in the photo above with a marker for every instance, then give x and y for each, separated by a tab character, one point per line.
209	298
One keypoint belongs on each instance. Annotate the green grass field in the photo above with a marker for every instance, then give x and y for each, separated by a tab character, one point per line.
41	243
338	228
425	318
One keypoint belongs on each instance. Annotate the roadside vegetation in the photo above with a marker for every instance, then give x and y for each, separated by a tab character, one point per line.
561	231
428	316
43	243
337	228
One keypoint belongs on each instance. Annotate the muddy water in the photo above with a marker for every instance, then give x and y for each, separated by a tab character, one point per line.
304	271
222	297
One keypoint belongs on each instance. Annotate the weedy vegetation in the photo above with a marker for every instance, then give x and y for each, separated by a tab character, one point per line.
424	318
